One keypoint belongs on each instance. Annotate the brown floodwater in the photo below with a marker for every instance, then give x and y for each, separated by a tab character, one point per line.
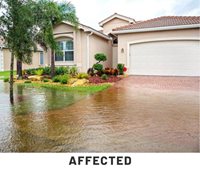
123	118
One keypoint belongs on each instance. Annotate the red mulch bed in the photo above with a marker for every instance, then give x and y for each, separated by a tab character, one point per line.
97	79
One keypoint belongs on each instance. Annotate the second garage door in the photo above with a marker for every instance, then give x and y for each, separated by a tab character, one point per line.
170	58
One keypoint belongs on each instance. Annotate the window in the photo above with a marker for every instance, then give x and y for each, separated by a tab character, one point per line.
67	49
41	58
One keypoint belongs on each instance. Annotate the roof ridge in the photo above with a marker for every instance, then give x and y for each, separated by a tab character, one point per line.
156	19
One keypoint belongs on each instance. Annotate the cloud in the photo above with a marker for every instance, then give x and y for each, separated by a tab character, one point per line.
90	12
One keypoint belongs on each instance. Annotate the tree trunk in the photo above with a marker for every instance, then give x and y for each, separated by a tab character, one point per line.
11	78
19	69
52	64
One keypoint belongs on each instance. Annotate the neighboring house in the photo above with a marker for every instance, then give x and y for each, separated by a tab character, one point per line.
165	46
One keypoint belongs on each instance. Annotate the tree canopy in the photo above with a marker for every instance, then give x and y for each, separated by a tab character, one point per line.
26	23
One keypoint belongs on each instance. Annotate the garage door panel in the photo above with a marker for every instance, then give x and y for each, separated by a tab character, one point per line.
179	58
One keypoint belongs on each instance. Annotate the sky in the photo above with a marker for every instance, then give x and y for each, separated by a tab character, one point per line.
91	12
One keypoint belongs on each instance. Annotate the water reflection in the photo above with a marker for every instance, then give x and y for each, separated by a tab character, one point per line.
30	113
123	118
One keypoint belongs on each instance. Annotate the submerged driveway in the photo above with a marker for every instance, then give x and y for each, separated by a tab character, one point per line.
142	114
137	114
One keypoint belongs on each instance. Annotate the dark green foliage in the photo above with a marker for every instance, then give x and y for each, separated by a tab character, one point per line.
73	71
104	77
47	70
82	76
100	57
120	67
62	70
27	81
63	79
30	71
6	79
46	80
98	67
56	79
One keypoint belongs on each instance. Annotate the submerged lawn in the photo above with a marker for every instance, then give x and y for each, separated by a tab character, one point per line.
88	88
5	74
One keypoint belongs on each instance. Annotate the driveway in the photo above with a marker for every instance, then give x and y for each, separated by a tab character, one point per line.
143	114
137	114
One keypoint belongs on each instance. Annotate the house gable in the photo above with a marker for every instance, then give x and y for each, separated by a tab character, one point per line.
63	30
114	21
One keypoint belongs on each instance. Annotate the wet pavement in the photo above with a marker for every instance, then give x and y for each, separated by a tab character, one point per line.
137	114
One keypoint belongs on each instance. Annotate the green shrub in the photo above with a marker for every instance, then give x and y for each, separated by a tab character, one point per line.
104	77
73	71
47	70
98	67
46	80
64	79
100	57
56	79
120	67
6	79
31	71
27	81
82	76
61	70
39	72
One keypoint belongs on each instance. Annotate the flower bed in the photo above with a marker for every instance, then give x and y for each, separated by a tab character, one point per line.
97	79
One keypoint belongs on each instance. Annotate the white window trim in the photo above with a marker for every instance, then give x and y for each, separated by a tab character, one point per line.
63	51
40	58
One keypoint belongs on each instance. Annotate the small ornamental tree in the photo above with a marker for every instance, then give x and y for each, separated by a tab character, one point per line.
100	57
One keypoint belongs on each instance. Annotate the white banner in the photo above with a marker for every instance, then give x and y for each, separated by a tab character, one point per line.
99	161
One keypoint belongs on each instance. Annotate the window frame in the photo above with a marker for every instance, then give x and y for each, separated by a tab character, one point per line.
41	54
64	49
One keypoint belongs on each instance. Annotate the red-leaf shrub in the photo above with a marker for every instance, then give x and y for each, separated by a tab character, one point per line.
97	79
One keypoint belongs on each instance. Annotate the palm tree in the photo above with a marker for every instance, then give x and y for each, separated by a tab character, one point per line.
47	14
51	14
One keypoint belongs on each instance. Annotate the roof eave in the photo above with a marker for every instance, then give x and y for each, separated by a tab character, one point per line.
130	20
89	29
157	29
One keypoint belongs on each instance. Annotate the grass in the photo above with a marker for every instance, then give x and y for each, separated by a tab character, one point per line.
5	74
89	89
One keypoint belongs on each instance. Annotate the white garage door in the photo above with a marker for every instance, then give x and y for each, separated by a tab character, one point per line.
176	58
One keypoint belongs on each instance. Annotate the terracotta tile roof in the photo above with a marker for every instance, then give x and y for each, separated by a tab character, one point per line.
162	22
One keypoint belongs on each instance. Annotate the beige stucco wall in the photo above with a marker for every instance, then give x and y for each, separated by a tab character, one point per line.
84	46
63	28
125	39
81	41
114	56
114	23
100	45
35	60
79	37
